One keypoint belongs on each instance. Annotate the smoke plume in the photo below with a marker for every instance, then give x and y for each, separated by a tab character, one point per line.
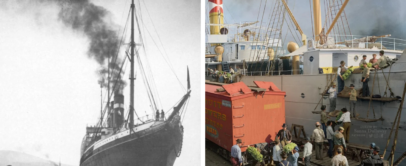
92	21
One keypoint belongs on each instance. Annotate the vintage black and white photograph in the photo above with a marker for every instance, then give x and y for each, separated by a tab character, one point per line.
100	83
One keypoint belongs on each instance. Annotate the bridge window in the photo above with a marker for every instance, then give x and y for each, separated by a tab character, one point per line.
253	47
242	47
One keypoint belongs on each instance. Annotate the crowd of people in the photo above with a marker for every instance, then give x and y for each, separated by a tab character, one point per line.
380	63
337	147
223	76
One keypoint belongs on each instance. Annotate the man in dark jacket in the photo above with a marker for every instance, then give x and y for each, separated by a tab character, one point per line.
284	135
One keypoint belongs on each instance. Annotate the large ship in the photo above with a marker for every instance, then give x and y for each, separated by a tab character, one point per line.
122	140
305	69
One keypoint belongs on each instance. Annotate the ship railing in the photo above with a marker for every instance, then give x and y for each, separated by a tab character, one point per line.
236	31
384	43
147	118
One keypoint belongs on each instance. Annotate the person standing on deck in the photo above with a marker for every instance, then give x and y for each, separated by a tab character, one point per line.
339	159
373	60
231	70
341	70
346	120
236	159
363	60
162	115
284	162
318	139
333	97
382	62
323	119
307	153
353	99
339	141
293	158
157	115
365	80
284	135
276	156
330	136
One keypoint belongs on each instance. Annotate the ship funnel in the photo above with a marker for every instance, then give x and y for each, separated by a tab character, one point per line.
118	109
216	16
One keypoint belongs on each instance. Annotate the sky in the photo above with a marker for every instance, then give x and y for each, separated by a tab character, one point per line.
365	17
49	85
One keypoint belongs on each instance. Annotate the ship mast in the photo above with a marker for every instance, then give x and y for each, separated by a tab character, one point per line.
132	69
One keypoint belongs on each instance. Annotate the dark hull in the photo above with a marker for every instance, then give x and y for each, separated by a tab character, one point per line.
157	145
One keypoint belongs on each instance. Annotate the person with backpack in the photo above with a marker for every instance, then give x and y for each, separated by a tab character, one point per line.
284	162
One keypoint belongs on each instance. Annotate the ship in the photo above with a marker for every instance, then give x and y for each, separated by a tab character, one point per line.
121	140
307	67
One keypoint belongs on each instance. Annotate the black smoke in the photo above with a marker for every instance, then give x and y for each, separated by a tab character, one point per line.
92	21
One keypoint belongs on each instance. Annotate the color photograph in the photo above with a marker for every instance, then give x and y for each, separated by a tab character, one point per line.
318	82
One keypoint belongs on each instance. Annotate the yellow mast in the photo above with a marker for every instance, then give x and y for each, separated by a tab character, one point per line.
295	22
317	19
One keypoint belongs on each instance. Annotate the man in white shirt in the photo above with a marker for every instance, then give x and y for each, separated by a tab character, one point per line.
341	70
363	60
333	97
345	118
339	159
276	156
307	153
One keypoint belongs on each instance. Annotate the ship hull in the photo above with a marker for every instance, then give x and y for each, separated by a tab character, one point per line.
299	107
158	145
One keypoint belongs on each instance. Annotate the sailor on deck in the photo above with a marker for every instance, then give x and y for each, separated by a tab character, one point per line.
373	60
157	115
162	115
284	135
365	79
363	60
341	70
382	61
236	158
